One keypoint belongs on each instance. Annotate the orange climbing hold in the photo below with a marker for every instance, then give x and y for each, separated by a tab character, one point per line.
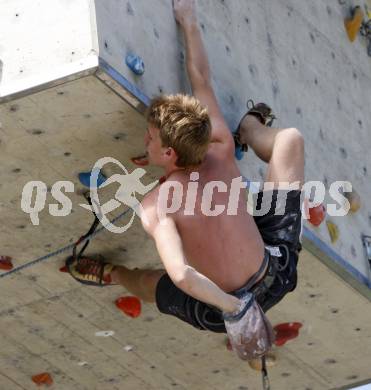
43	379
131	306
353	25
6	263
317	214
286	331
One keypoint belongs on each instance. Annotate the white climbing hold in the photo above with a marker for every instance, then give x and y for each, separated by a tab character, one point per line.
105	333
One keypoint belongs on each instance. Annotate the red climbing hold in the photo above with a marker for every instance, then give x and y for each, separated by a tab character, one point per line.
286	331
317	214
6	263
63	269
141	161
130	306
43	379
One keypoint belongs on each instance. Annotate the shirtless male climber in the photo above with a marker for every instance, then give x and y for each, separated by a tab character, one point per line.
209	260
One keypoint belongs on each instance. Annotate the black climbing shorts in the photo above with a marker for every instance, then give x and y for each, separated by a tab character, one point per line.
281	234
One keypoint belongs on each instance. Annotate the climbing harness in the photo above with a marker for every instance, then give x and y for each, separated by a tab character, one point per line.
85	239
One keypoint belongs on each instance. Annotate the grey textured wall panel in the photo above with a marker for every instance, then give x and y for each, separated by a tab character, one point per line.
293	55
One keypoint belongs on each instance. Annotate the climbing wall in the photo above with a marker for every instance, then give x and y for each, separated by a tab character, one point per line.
296	56
43	42
51	324
293	55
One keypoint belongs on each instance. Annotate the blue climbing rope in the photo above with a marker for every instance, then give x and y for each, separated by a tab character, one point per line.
62	250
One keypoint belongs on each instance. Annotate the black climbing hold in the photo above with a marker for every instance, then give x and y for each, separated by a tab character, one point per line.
16	170
157	35
16	15
351	377
37	131
294	61
247	20
231	99
87	116
333	55
316	81
364	170
329	11
343	152
67	154
153	367
14	108
298	110
106	44
310	344
357	329
334	311
203	26
360	123
129	9
60	93
228	50
215	371
355	75
251	69
119	136
21	227
285	374
312	295
275	89
312	38
160	89
330	361
270	42
20	70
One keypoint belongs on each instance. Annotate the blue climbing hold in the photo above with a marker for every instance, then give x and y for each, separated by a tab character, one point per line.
84	178
238	153
135	64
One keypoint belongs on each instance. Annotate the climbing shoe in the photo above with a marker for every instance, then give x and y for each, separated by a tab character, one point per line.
93	272
265	116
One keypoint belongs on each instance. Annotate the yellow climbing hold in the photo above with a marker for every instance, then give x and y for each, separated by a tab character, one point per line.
354	200
353	25
333	231
270	360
